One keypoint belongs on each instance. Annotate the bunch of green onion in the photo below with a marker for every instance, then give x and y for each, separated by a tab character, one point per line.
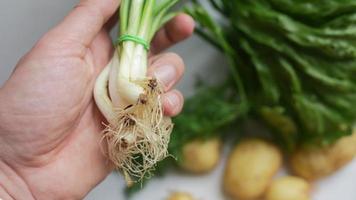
137	132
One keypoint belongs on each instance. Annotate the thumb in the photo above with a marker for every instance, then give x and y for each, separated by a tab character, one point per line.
84	22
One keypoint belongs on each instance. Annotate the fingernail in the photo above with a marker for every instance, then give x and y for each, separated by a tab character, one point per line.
166	74
173	99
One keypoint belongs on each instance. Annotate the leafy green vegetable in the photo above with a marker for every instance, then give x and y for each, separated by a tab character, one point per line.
203	116
292	65
296	60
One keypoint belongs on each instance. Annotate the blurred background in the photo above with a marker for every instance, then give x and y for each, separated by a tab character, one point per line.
23	22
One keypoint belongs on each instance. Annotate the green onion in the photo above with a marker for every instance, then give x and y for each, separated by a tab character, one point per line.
137	134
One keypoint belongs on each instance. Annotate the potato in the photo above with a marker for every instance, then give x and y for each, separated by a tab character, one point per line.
314	162
289	188
180	196
250	168
201	156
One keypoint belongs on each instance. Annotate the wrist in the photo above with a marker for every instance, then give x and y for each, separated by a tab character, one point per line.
12	186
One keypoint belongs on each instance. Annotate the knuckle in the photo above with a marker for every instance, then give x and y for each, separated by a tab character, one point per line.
89	10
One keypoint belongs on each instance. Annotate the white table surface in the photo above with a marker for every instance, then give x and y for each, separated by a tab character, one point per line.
23	22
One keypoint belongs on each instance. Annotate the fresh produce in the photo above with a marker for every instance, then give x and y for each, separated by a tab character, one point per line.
197	121
203	118
137	134
292	67
289	188
292	63
201	156
250	169
316	162
180	196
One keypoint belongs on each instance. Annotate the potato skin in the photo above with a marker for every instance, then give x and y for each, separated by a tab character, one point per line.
289	188
250	168
314	163
180	196
201	156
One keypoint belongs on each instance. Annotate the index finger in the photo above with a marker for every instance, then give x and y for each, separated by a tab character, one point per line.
179	28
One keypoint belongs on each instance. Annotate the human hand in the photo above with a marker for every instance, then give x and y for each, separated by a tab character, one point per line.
50	127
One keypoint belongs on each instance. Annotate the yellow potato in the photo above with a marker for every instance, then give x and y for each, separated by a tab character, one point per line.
180	196
201	156
289	188
314	162
250	168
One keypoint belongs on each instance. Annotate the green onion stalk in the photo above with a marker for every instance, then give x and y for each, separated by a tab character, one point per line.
137	133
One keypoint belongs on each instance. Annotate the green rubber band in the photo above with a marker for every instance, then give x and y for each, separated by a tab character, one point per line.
135	39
